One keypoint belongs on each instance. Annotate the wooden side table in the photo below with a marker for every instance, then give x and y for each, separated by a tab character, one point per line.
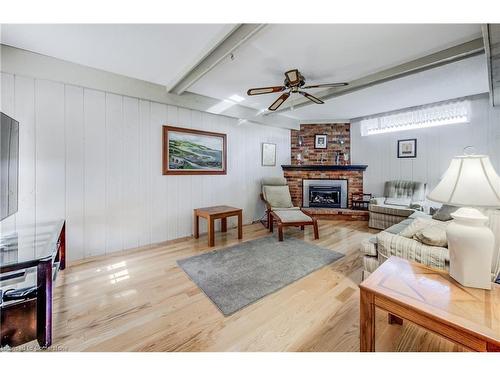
213	213
431	299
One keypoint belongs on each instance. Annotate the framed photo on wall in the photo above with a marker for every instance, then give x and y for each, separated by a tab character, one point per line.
320	141
190	151
268	154
407	148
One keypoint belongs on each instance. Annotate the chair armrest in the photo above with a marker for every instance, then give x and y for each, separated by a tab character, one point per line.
268	206
377	200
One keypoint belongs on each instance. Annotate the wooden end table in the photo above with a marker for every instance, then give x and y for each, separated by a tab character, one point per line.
431	299
213	213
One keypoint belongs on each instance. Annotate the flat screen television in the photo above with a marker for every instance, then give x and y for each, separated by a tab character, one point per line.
9	165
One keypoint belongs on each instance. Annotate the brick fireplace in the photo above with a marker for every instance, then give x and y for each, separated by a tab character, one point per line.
325	170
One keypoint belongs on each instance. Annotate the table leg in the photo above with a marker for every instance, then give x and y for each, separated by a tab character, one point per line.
196	226
211	231
240	225
44	304
62	248
223	224
367	322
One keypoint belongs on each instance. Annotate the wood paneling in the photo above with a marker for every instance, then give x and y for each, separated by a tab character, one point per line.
95	173
94	158
75	171
436	147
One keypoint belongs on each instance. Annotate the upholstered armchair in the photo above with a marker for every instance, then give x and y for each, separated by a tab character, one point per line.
401	198
276	195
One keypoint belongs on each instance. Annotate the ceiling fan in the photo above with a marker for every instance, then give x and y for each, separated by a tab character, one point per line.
294	83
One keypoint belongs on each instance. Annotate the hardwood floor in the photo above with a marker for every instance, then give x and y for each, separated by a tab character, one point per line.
141	300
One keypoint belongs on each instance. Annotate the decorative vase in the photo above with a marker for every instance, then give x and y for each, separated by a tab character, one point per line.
470	243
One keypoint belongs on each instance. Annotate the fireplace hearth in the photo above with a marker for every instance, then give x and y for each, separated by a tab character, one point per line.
325	196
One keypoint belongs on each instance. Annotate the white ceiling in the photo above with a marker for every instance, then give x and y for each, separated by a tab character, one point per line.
155	53
322	52
455	80
325	53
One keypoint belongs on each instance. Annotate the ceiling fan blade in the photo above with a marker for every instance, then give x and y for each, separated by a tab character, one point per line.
311	97
265	90
338	84
279	101
293	77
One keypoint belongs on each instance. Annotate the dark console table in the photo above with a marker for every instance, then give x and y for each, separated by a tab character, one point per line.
30	257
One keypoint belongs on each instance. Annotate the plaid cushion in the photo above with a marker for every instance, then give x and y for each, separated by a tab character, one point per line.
433	256
390	210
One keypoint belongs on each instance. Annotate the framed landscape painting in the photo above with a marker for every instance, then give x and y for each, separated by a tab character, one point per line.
190	151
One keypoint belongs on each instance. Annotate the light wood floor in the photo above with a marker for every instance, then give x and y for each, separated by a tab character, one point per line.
142	301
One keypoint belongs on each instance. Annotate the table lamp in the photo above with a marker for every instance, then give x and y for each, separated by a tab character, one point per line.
469	182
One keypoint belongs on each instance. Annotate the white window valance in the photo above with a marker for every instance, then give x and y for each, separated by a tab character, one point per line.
455	112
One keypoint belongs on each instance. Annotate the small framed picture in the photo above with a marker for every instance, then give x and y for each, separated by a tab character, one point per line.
268	154
320	141
407	148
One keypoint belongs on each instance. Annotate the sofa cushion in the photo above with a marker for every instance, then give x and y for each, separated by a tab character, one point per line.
399	227
444	213
434	235
390	210
278	196
389	244
405	202
293	216
415	226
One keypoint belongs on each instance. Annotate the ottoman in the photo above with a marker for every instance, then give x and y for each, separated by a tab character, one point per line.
292	218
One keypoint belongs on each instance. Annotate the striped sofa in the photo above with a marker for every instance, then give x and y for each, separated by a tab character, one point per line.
388	242
401	198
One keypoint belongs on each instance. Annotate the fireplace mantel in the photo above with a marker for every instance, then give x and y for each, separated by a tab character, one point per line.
311	167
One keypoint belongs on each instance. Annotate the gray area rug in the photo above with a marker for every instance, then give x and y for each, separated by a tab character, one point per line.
237	276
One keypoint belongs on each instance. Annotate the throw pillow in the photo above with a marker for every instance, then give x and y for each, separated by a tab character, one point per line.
398	201
443	214
416	225
278	196
434	235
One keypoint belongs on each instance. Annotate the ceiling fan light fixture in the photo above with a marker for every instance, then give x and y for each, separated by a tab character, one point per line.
293	77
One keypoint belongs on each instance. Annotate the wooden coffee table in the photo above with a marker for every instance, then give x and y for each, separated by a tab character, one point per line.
433	300
213	213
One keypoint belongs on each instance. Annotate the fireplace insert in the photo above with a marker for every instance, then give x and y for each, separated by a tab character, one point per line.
325	196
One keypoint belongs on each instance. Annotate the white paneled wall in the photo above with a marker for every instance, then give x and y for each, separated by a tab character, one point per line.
94	158
435	148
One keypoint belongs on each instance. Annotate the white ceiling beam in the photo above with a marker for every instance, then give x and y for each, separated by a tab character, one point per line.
234	39
446	56
491	37
29	64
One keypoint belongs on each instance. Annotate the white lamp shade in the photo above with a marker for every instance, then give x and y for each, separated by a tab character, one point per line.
470	180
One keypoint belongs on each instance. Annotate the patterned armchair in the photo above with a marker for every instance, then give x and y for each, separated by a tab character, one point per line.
401	198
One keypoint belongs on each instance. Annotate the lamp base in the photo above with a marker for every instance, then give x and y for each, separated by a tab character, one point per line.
471	244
